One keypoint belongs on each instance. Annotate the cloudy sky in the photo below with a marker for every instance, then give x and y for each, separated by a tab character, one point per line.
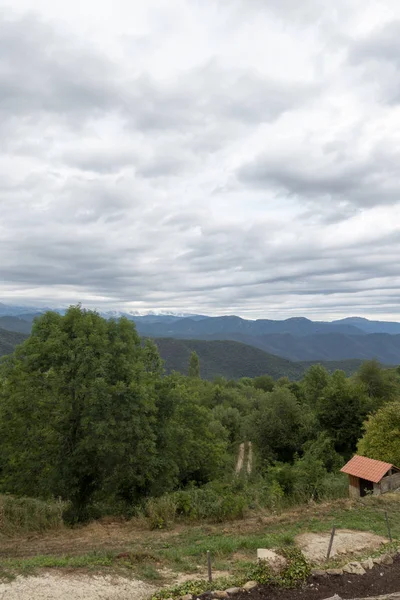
217	156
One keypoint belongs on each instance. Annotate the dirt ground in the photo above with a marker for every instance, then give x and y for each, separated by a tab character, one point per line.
65	586
381	580
315	545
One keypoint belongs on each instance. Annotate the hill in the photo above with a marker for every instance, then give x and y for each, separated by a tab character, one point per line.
296	339
229	359
234	360
18	324
8	341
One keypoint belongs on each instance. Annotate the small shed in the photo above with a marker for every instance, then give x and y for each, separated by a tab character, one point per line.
369	476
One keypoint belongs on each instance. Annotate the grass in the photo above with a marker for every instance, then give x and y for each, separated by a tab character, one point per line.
24	515
159	556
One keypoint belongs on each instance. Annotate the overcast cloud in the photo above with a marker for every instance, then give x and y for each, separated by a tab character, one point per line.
212	156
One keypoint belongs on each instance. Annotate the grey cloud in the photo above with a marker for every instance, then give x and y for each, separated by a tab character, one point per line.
347	181
41	72
382	44
116	187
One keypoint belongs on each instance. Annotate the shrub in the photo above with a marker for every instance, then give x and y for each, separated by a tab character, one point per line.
28	514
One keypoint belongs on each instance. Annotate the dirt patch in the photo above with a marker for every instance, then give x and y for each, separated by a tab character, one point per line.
58	586
376	582
315	545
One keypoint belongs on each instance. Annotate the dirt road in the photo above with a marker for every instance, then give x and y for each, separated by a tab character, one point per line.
64	586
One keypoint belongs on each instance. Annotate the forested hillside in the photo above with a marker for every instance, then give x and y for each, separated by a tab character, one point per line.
295	339
234	360
87	415
8	341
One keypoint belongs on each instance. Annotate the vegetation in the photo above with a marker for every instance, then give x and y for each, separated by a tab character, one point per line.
9	340
23	515
88	415
233	360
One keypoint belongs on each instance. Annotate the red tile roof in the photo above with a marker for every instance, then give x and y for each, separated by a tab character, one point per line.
366	468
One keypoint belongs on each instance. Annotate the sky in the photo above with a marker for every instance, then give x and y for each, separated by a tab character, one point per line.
210	156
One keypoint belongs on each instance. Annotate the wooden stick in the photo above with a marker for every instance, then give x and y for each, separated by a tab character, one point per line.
331	542
209	565
388	526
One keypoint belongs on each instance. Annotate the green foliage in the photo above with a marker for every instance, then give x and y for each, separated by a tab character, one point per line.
214	502
278	426
194	365
9	340
381	439
23	515
77	414
297	569
295	573
341	411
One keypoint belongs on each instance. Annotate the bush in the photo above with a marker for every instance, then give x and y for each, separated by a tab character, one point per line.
212	502
28	514
295	573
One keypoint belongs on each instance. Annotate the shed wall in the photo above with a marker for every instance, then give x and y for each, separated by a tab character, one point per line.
354	487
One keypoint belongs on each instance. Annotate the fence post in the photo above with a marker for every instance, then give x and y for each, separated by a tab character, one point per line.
331	542
388	526
209	565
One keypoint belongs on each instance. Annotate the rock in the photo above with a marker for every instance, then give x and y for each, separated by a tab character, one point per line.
377	560
355	568
186	597
367	564
220	594
250	585
334	571
335	597
233	590
386	559
318	573
275	561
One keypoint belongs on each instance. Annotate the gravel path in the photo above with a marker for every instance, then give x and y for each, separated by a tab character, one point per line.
57	586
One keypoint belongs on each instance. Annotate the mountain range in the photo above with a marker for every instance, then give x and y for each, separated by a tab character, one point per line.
295	339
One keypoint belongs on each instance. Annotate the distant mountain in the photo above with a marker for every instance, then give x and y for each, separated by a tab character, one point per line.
296	339
17	324
367	326
8	341
234	360
211	326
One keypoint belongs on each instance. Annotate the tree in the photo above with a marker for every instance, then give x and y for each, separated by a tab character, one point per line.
264	382
381	439
380	384
279	426
194	366
341	411
77	412
315	381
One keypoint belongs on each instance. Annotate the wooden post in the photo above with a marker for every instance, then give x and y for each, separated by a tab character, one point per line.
331	542
388	526
209	565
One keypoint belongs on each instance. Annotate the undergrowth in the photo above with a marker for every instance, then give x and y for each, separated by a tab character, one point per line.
22	515
296	571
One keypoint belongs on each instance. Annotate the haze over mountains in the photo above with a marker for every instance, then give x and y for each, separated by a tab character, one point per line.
295	339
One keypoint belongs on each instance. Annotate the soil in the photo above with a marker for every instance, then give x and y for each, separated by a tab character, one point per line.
315	545
64	586
378	581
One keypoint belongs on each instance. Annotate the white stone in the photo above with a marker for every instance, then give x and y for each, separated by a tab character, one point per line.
367	564
386	559
250	585
355	568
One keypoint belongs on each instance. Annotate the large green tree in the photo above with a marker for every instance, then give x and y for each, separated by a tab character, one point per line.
77	411
341	411
381	439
